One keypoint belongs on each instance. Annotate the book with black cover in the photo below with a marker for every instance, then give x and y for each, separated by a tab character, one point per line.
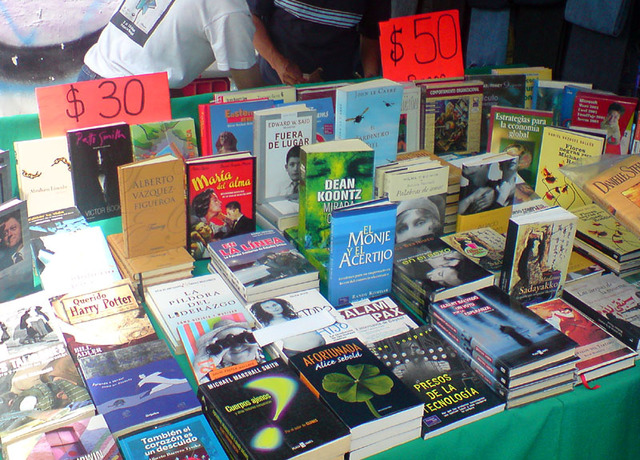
266	412
452	393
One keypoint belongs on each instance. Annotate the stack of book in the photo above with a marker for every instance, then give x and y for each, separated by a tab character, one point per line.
523	357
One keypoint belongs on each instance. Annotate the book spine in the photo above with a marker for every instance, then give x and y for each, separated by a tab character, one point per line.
205	129
599	246
341	114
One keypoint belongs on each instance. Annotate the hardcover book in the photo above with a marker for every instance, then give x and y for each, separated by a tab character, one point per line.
44	174
370	111
153	205
453	395
257	264
188	438
16	260
536	256
561	147
95	155
332	175
377	318
610	302
500	332
220	199
359	389
266	412
519	132
361	251
171	137
483	245
180	302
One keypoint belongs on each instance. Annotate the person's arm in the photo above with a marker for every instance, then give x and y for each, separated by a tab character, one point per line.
247	78
288	71
370	55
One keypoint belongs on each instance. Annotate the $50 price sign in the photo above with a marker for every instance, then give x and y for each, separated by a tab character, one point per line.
136	99
422	46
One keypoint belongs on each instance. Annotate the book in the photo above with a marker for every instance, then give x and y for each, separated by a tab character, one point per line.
6	185
299	321
86	438
361	251
258	263
561	147
537	252
453	395
433	270
221	199
532	73
483	245
60	220
266	412
611	112
276	93
152	202
549	95
611	302
377	318
180	302
499	331
220	345
95	154
227	127
176	137
452	116
44	174
359	389
191	437
16	260
487	192
410	119
332	175
599	352
518	132
370	111
279	134
326	116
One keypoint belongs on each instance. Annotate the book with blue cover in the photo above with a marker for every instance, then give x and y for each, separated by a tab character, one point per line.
361	251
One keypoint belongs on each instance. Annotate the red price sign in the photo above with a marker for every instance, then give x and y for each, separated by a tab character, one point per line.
421	47
136	99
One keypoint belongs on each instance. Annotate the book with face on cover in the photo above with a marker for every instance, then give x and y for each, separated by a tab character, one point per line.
16	260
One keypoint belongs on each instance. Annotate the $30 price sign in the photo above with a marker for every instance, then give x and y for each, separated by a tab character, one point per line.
422	46
136	99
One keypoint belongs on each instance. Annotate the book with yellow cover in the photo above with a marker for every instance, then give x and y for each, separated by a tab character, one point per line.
152	197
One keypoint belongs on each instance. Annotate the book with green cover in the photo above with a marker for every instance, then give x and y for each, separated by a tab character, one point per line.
171	137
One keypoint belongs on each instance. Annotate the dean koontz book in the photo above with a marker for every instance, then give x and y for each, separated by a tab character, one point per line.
266	412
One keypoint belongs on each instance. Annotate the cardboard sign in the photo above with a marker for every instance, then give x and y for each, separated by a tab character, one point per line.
135	99
423	46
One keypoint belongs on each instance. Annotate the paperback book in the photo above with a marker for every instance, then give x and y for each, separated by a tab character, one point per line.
276	93
171	137
16	259
410	119
483	245
549	95
531	73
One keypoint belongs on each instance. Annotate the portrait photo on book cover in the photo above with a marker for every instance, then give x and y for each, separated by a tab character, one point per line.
488	186
420	217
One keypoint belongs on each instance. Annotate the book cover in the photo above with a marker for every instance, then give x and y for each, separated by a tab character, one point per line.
537	252
597	349
377	318
266	412
501	332
259	262
228	126
95	155
549	95
487	192
275	93
610	302
152	205
16	259
88	438
188	438
298	322
279	135
220	345
434	270
221	199
358	387
559	148
171	137
180	302
44	174
452	116
518	132
452	393
332	175
6	185
326	116
61	220
531	74
370	111
611	112
361	251
410	119
483	245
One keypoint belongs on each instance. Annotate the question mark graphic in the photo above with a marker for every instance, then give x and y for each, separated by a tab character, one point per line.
282	391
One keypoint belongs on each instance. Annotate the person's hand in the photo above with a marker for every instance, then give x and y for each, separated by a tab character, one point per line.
289	73
481	199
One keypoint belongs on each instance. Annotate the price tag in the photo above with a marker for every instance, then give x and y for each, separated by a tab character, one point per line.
421	47
136	99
